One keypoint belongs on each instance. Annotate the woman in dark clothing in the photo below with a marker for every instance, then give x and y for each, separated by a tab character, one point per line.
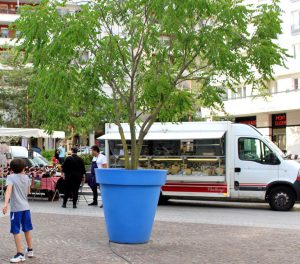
74	170
56	154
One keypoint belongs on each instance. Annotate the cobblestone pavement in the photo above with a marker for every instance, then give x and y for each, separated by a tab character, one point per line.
76	239
200	212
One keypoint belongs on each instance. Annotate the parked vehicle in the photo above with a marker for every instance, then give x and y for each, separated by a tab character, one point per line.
40	160
31	161
84	150
214	160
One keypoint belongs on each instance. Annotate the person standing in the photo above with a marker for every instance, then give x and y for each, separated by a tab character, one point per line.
18	188
55	158
74	170
99	161
62	154
56	154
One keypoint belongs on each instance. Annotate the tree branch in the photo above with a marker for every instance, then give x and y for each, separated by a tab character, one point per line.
121	130
184	67
187	77
109	29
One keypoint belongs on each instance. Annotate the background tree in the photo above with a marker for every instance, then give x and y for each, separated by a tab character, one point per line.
142	50
14	97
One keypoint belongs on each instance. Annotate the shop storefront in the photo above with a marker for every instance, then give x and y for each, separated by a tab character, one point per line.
282	128
279	123
249	120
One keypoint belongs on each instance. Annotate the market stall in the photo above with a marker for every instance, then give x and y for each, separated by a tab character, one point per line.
27	133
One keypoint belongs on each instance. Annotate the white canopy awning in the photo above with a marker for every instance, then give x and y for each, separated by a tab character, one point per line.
29	132
169	135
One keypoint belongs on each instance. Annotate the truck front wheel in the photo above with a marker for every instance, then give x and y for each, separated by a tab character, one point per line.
281	198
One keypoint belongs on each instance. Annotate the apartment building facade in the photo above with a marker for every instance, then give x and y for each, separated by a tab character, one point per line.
8	14
278	115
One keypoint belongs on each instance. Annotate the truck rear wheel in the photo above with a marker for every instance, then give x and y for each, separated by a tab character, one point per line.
281	199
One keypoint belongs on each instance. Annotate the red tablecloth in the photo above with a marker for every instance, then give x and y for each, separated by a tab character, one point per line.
49	183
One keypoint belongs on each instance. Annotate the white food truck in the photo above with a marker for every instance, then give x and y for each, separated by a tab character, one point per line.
213	160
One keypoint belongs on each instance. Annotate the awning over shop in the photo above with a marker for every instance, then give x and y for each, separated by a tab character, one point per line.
169	135
29	132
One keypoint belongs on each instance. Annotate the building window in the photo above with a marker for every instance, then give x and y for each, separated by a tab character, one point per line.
241	92
273	87
296	22
224	95
296	50
4	32
244	91
233	94
296	84
3	8
276	87
9	8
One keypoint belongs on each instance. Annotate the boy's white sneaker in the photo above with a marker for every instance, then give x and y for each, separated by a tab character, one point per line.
29	253
17	258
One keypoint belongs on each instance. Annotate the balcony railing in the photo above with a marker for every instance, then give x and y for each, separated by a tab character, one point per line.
296	90
8	11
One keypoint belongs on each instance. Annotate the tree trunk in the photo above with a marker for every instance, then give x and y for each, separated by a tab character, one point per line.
133	156
125	146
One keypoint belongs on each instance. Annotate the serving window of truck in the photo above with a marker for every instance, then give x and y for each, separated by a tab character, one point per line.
199	155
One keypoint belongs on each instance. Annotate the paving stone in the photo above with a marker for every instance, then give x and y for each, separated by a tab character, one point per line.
79	239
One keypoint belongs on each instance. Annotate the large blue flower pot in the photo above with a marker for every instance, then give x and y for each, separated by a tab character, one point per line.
130	199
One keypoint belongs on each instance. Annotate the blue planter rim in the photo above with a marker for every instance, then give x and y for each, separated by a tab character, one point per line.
131	177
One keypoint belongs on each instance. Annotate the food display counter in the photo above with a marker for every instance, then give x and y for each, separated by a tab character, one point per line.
193	158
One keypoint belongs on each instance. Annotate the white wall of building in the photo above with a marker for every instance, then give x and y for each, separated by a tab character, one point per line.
293	132
284	90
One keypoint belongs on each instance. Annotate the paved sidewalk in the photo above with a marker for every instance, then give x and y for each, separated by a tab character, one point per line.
78	239
196	212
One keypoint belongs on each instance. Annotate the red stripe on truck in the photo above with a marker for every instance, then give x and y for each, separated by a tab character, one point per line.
196	184
203	189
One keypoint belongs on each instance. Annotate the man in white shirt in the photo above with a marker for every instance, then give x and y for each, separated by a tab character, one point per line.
99	161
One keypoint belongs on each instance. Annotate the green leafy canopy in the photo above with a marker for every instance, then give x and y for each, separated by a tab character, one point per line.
14	99
142	50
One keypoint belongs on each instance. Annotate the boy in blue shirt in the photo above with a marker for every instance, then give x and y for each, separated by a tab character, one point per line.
18	188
